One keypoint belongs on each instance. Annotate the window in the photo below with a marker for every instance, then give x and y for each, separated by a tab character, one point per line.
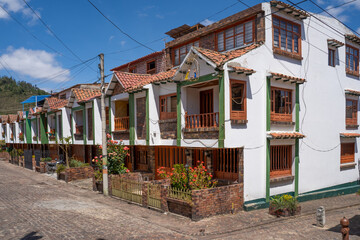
352	60
287	36
281	105
151	67
351	112
331	57
280	160
180	52
132	69
168	105
238	100
347	152
235	37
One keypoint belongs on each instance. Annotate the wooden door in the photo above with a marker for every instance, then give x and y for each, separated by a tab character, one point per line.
206	101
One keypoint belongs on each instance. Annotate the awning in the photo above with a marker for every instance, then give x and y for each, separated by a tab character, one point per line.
34	99
285	135
349	135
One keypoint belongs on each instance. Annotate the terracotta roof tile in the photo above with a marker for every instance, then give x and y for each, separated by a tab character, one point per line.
237	68
56	103
335	43
286	77
12	118
353	38
219	58
4	118
349	135
85	94
131	81
352	92
285	135
289	9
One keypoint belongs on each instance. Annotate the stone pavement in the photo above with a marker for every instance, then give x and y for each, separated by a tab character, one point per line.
37	206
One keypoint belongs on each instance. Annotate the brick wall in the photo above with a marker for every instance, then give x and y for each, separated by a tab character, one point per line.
215	201
141	67
4	156
168	128
78	173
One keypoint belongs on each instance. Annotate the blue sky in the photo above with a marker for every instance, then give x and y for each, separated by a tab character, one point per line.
51	66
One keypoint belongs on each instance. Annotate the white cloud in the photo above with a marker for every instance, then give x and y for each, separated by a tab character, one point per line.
207	22
111	38
337	12
17	6
159	16
37	64
122	43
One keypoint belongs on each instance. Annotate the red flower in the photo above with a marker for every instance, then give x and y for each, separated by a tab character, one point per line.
127	170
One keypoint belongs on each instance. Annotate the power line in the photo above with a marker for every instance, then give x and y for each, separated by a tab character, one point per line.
333	16
33	35
126	34
54	34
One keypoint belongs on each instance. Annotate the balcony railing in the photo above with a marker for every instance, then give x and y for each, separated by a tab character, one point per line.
121	123
351	121
202	120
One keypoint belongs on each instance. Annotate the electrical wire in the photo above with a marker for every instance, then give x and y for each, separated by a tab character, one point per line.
54	34
117	27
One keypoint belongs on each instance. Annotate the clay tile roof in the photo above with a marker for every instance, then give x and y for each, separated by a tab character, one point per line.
335	43
131	81
237	68
4	118
56	103
285	135
219	58
20	115
353	38
85	94
12	118
283	77
289	9
352	92
349	135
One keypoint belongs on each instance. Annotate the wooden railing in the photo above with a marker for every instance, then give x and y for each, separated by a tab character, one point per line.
351	121
202	120
226	163
121	123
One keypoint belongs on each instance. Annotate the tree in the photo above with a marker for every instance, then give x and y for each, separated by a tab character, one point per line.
65	145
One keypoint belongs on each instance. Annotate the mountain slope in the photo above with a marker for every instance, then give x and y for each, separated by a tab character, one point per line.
13	92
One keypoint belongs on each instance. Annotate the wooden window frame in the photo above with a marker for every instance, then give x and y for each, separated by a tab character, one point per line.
233	26
331	57
164	115
347	61
347	158
132	69
153	70
278	50
280	117
238	115
275	150
353	120
177	48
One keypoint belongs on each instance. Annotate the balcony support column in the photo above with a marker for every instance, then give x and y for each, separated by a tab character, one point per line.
131	119
221	109
147	119
178	114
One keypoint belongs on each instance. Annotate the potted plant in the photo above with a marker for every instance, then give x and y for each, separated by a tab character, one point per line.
51	134
284	205
21	136
43	163
34	138
60	168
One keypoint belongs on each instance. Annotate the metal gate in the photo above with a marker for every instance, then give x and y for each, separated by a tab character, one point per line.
128	190
154	195
37	154
28	159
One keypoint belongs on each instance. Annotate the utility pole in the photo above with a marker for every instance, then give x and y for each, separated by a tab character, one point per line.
103	129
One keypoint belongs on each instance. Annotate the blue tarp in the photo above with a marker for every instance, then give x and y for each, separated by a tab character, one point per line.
34	99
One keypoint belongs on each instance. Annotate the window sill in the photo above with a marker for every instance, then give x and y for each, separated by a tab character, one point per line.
344	166
287	54
353	73
239	121
121	131
352	126
277	179
282	123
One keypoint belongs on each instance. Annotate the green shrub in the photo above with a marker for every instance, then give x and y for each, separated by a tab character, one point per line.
286	201
60	168
20	152
76	163
47	159
98	175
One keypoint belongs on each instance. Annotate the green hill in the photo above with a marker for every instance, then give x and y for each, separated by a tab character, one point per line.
13	92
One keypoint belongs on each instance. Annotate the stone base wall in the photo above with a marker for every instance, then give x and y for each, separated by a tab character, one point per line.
121	135
78	173
4	156
168	129
201	133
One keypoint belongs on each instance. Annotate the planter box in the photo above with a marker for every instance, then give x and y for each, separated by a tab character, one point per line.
61	176
42	167
78	173
284	212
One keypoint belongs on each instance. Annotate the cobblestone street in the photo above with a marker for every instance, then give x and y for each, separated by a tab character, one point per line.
36	206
